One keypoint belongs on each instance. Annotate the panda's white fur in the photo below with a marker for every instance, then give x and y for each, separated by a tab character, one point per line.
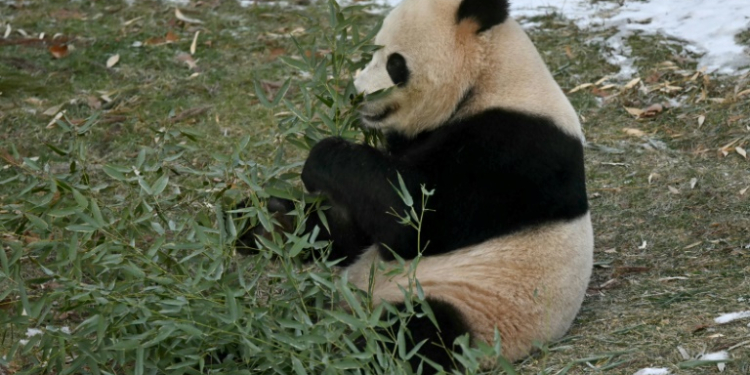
529	284
501	64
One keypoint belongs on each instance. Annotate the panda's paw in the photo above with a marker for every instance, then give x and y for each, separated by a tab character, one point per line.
317	169
278	208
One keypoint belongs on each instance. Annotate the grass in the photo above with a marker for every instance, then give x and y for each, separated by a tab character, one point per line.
646	233
670	209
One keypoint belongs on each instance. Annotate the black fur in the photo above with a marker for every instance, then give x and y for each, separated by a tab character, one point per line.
487	13
397	69
349	237
451	325
494	173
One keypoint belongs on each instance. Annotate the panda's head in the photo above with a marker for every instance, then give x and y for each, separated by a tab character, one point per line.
431	56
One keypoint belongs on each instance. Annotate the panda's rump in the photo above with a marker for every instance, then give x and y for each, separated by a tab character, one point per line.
529	285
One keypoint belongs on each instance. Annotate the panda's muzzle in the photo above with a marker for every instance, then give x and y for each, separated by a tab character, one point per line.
378	116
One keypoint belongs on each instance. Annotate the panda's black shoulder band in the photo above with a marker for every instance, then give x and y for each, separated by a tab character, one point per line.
487	13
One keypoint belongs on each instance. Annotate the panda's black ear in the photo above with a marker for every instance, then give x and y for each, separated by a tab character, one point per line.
486	13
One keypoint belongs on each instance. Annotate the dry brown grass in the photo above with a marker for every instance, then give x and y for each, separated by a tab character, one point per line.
671	212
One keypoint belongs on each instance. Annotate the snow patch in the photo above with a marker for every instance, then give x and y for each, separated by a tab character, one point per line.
31	332
726	318
653	371
720	357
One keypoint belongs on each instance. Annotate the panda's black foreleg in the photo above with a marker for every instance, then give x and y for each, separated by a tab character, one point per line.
363	181
334	224
278	208
348	240
439	341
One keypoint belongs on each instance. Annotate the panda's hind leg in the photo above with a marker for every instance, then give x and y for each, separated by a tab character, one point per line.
439	340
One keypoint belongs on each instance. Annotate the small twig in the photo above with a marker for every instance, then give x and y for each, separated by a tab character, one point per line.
189	113
34	41
738	345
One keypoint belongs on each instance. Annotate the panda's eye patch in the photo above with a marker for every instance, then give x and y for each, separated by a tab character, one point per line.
397	69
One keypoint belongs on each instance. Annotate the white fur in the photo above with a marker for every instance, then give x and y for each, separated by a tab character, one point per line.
529	284
446	59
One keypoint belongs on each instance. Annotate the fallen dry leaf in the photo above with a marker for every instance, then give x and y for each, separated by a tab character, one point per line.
673	190
194	45
276	52
58	116
684	353
634	132
187	59
93	102
701	120
634	111
724	150
58	51
652	110
34	101
741	151
733	119
130	22
183	18
743	191
8	29
64	14
51	111
580	87
155	41
653	78
569	52
653	176
171	37
112	60
601	80
693	182
632	83
692	245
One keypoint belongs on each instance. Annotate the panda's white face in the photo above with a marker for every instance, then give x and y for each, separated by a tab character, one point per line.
428	60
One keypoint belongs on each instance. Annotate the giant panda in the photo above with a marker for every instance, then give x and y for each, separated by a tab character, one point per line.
474	115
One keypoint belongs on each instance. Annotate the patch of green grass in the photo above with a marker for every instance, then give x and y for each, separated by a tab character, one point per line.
149	84
744	37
